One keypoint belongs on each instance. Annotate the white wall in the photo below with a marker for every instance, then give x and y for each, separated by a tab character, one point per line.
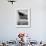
8	28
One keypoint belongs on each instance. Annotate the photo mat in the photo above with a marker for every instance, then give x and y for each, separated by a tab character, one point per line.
24	17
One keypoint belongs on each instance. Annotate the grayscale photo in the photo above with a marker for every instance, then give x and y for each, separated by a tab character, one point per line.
23	17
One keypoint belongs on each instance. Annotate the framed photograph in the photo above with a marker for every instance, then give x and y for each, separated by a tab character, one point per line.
24	17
